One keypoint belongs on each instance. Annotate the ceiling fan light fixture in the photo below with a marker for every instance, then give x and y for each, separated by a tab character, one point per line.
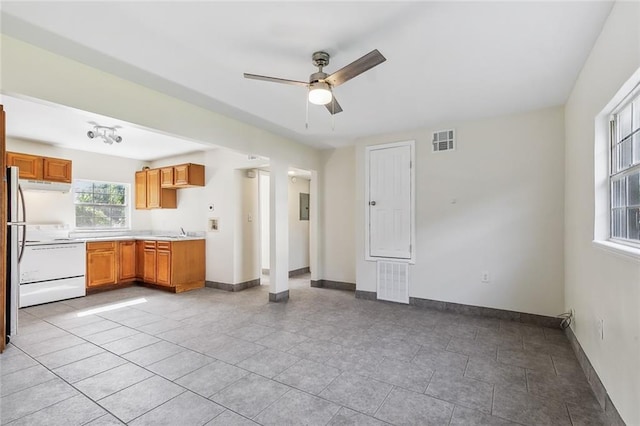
320	93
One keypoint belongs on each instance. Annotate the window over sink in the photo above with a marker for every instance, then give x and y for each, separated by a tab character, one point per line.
101	205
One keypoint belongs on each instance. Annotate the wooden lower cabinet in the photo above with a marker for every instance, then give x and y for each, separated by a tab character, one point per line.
110	263
102	264
139	260
127	261
149	262
163	263
175	265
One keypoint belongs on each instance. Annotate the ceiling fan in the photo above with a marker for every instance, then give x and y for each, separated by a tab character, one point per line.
321	84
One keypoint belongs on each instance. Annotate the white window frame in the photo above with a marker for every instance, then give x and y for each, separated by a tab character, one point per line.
614	137
602	174
368	149
127	206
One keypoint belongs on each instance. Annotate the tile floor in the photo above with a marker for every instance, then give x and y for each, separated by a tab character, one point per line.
218	358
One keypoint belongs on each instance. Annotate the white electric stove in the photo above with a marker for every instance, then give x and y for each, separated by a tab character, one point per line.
53	266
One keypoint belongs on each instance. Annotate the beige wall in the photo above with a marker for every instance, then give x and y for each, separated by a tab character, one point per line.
337	215
247	236
493	204
600	284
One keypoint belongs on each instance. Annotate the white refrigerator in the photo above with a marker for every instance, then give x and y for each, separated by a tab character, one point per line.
16	219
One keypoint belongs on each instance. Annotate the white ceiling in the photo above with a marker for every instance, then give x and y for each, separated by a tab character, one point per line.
66	127
446	61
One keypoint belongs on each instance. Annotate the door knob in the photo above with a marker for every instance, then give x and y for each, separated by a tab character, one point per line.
372	203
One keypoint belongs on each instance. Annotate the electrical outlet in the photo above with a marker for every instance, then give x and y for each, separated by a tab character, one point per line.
485	277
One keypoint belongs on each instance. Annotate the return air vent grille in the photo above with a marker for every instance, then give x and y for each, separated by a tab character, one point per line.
444	140
393	281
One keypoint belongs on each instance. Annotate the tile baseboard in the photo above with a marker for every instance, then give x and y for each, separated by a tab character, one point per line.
283	296
300	271
366	295
600	392
233	287
293	273
336	285
459	308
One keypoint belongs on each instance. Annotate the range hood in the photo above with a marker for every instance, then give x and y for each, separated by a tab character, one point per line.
41	185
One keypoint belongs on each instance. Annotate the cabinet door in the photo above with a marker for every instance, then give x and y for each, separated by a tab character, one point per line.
30	165
166	177
188	175
163	265
140	260
141	190
56	169
127	270
149	261
153	189
101	267
181	174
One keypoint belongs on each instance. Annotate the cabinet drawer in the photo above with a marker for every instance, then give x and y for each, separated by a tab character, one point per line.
163	245
150	245
102	245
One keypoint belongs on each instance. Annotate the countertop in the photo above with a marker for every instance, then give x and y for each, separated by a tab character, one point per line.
140	238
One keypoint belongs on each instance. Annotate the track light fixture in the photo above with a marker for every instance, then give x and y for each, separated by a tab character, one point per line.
107	134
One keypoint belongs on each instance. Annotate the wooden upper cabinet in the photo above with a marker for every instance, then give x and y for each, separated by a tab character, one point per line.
56	169
127	265
182	176
141	190
150	194
153	189
30	165
166	177
40	168
188	175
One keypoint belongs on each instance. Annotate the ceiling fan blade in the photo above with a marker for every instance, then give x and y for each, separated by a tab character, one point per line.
333	106
275	80
356	68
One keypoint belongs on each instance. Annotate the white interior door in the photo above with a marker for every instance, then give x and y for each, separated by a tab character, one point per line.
390	202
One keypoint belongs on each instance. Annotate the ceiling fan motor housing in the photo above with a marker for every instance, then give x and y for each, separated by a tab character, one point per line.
317	76
320	59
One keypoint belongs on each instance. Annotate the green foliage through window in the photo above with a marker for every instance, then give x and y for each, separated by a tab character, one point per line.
101	205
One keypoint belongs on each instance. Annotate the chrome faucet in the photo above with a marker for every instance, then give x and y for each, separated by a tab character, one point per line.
182	233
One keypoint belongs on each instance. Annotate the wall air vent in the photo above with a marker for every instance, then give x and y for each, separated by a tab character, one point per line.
444	140
393	281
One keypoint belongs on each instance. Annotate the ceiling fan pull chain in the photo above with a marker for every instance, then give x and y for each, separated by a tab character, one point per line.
306	120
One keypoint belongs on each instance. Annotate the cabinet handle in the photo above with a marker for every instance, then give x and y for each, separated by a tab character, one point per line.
372	203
